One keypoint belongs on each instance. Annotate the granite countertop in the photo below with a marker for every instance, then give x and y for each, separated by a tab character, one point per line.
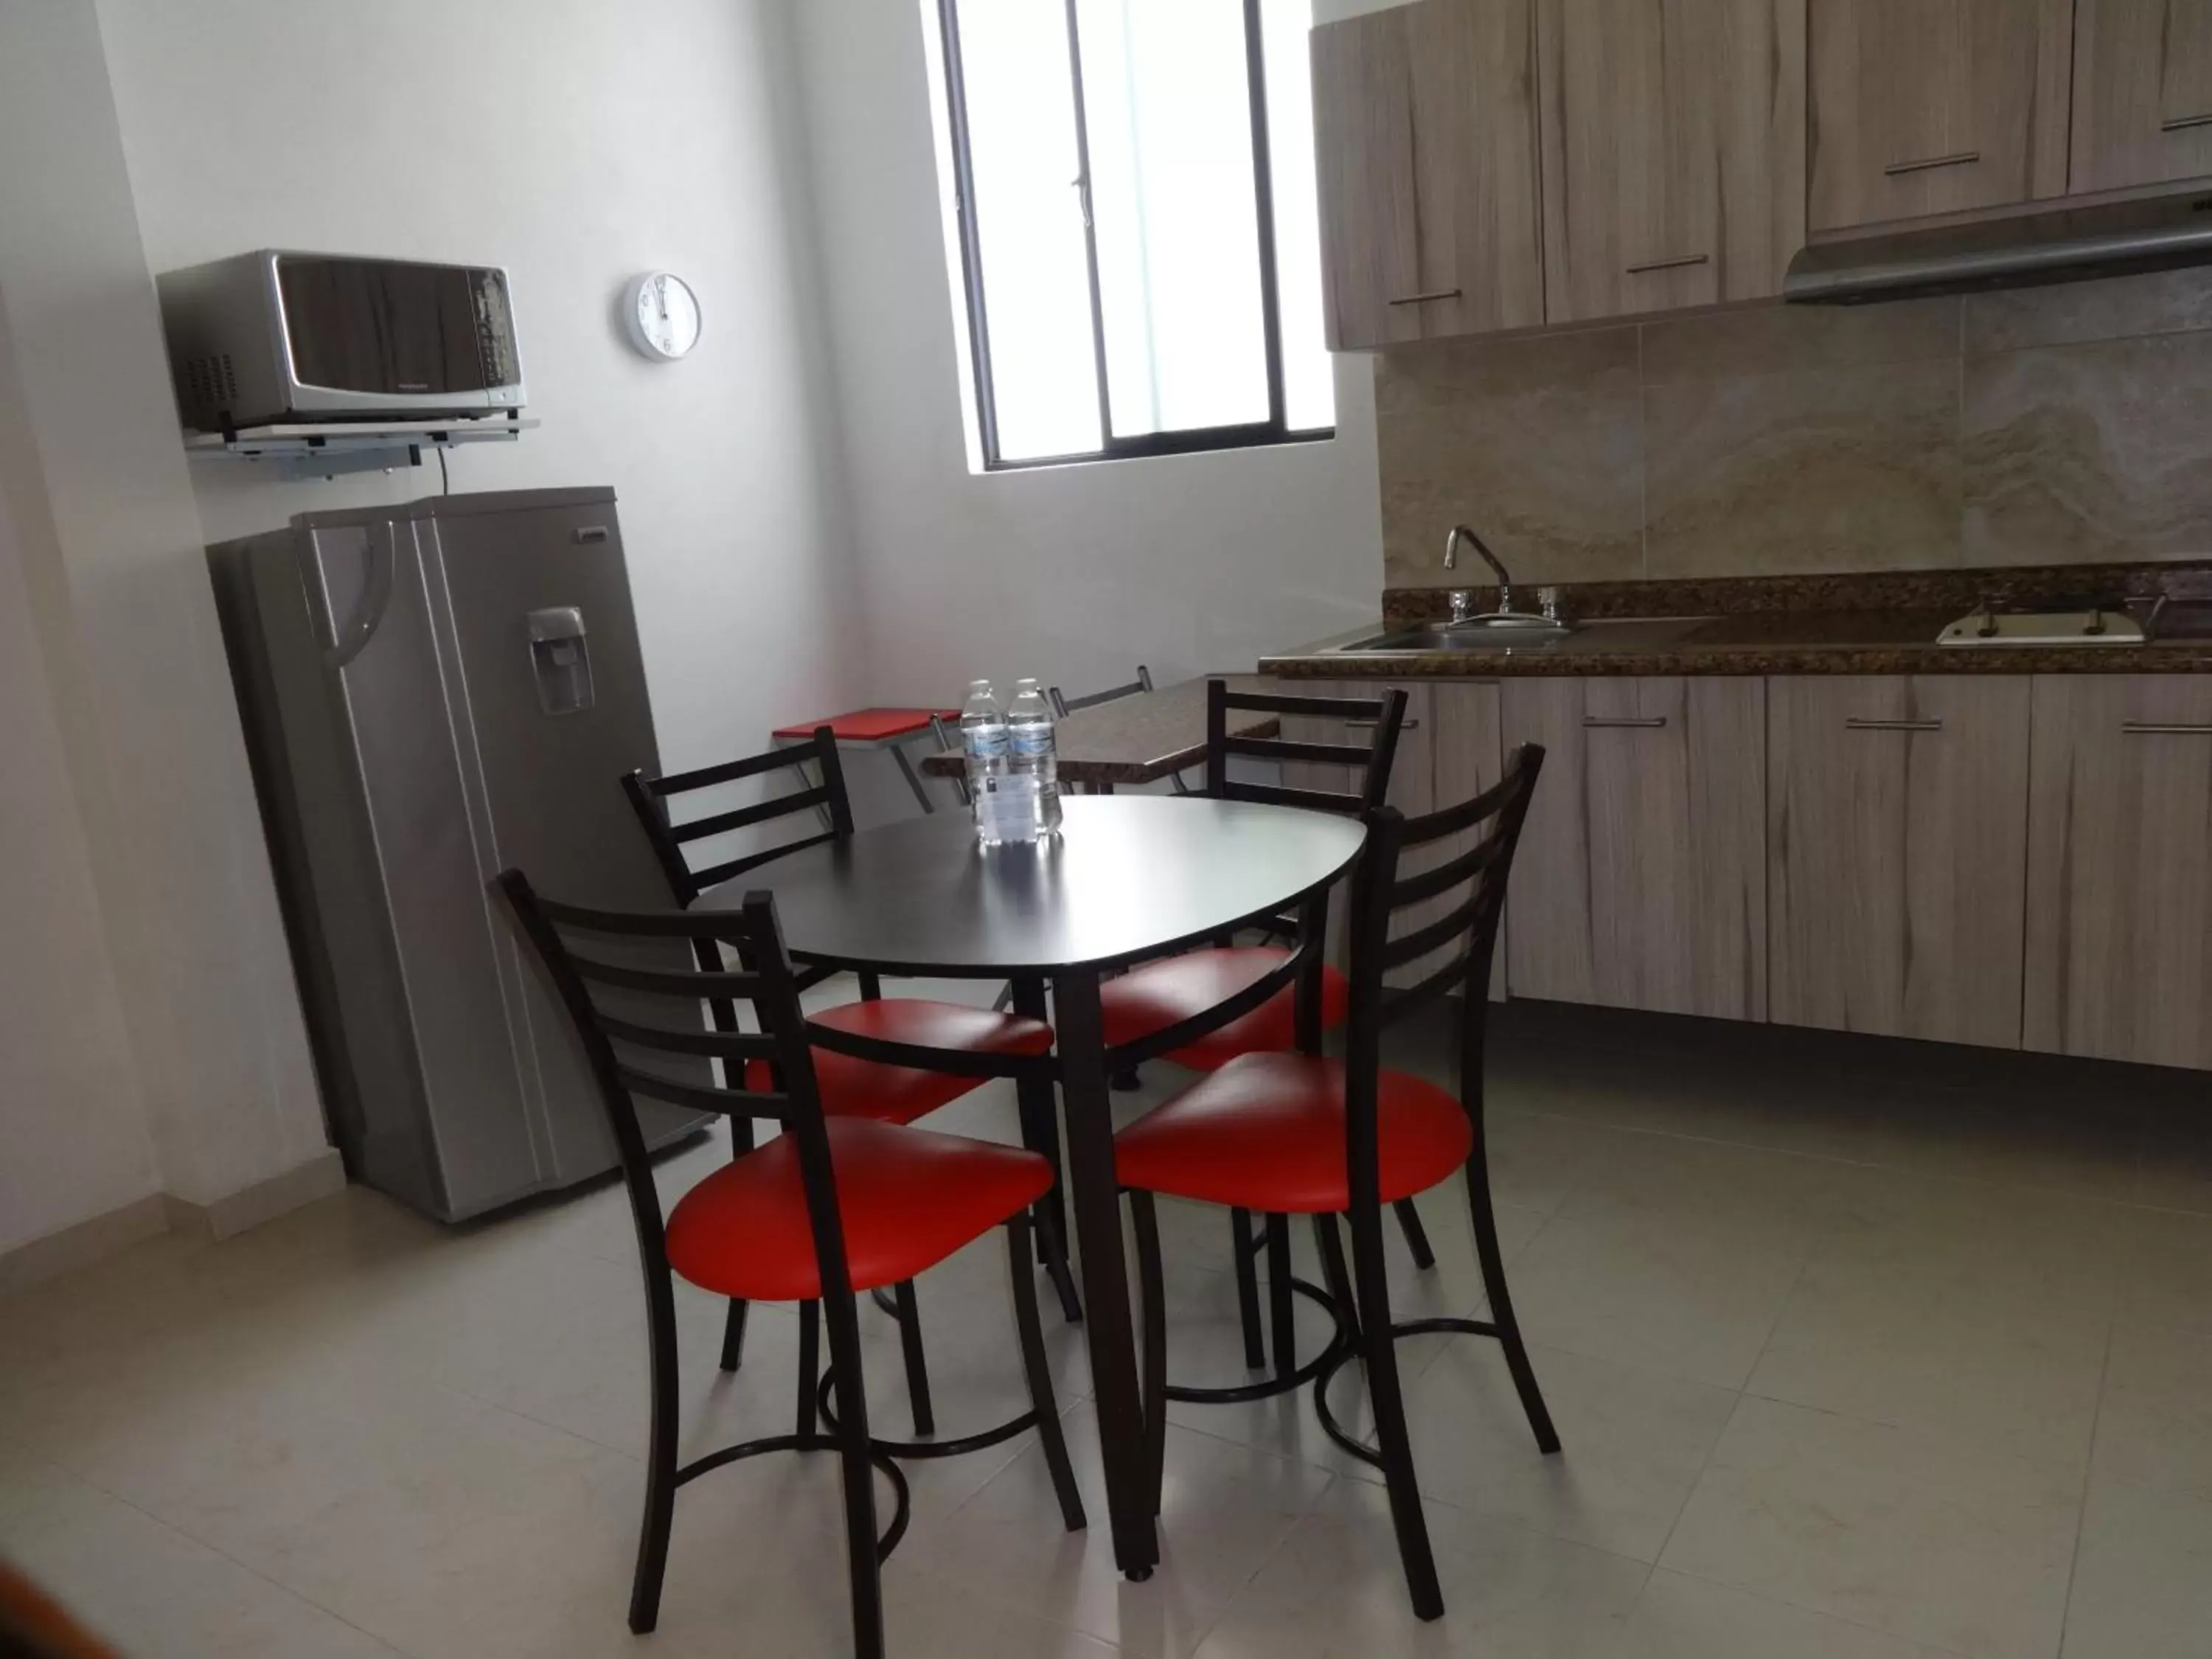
1871	624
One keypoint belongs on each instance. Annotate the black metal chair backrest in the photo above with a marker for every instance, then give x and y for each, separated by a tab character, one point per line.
652	799
1391	927
1369	763
1063	705
636	1007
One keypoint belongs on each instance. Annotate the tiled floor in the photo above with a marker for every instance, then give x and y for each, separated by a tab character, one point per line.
1859	1351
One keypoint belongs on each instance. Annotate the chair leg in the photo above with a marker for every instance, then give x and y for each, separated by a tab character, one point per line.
1417	1236
1501	1301
917	1363
1333	1273
1042	1402
1378	1349
857	1465
661	1459
809	1370
1281	1311
1241	1246
734	1335
1152	1291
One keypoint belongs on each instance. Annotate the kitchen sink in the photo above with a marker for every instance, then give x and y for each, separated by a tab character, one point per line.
1477	638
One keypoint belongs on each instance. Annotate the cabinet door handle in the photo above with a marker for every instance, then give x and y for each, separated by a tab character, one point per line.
1855	723
2183	123
1674	263
1423	299
2164	729
1624	722
1964	158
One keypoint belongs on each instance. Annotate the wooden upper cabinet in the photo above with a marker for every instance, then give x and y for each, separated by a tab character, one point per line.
1898	831
2142	91
1641	877
1425	144
1923	106
1673	147
2119	888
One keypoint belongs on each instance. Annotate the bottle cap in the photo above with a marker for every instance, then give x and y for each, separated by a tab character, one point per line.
1025	685
979	685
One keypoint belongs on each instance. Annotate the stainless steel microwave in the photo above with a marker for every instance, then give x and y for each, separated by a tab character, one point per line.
277	335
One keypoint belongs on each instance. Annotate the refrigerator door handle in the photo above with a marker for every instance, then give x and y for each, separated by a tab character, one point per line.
349	640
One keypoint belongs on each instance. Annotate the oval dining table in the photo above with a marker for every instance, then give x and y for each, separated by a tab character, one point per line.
1128	879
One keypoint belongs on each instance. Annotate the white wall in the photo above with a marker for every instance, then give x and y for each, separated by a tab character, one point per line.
106	541
576	142
1075	573
72	1124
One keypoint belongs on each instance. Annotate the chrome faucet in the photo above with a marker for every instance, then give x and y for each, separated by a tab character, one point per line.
1451	562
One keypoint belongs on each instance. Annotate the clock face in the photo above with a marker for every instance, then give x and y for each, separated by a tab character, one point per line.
664	317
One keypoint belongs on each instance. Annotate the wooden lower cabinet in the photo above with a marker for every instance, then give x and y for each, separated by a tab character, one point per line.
1898	831
2120	887
1641	880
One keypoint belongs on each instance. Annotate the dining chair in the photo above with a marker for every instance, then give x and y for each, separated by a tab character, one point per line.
830	1206
1162	993
850	1086
1298	1134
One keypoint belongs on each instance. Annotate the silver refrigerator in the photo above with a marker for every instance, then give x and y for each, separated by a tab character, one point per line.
432	693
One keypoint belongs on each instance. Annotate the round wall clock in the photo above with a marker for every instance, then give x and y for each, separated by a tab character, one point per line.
663	315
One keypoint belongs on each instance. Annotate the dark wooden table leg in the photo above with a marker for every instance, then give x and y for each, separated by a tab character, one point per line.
1096	1199
1040	1133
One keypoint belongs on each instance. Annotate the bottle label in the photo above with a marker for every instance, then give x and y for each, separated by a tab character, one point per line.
984	742
1005	810
1031	741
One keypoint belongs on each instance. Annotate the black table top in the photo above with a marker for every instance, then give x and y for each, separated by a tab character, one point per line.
1128	877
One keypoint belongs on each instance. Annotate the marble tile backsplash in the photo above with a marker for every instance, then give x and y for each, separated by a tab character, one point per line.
2058	425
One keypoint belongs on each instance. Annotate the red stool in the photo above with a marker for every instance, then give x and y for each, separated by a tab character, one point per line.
1296	1133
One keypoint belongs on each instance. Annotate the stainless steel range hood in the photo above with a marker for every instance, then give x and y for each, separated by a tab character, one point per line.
2055	246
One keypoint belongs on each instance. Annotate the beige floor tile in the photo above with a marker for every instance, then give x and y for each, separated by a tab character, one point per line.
148	1589
1679	1618
1225	1509
2154	1426
2142	1587
1901	1529
1927	1350
2164	1272
1671	1292
1632	1443
1338	1589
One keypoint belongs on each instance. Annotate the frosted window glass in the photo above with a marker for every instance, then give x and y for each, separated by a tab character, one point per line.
1309	372
1029	226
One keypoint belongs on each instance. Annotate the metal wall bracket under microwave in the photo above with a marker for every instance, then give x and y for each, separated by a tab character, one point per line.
283	336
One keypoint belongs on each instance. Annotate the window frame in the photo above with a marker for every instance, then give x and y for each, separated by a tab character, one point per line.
1193	440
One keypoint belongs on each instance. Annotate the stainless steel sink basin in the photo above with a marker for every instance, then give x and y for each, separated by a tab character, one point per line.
1479	635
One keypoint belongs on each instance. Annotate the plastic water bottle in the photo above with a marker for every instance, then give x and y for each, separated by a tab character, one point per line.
1002	812
1035	759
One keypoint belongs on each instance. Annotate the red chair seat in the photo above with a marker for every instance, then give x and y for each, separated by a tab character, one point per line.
1162	993
900	1094
909	1197
1266	1132
871	724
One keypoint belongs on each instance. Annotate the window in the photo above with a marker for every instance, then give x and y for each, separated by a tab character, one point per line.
1137	235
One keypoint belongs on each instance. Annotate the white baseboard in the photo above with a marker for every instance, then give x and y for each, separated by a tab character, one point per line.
80	1246
264	1200
103	1235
